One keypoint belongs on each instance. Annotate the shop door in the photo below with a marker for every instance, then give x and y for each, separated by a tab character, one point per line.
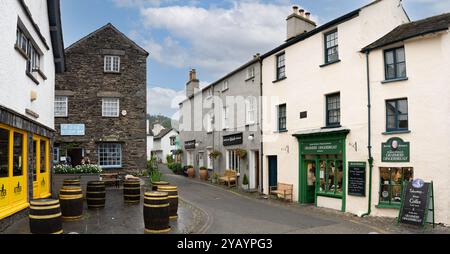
273	171
41	176
76	156
309	182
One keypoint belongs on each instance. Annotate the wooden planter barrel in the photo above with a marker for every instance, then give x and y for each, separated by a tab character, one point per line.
191	172
156	212
45	217
204	175
73	182
71	199
132	191
96	195
160	183
172	192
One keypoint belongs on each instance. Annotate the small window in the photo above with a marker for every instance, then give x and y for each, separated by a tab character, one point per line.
251	72
209	121
251	105
391	184
61	106
395	63
173	141
226	117
331	47
282	118
397	115
281	66
112	64
225	85
110	155
333	110
209	93
110	107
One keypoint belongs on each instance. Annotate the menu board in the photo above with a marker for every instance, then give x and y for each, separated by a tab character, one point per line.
415	203
357	179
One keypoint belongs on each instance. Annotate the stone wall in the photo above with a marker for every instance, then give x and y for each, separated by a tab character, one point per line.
85	83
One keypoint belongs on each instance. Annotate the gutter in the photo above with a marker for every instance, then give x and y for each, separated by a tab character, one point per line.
369	137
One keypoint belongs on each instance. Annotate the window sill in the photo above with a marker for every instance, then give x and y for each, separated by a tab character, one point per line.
282	131
23	53
251	78
396	132
61	116
329	195
279	80
112	72
209	132
332	127
393	80
30	75
330	63
388	206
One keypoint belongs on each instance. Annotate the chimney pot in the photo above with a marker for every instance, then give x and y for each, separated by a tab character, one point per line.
295	9
302	12
308	15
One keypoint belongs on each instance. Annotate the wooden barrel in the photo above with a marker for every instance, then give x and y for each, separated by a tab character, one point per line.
172	192
160	183
132	191
156	212
75	182
71	199
96	194
45	217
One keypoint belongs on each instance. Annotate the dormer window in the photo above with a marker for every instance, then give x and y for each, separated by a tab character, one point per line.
112	64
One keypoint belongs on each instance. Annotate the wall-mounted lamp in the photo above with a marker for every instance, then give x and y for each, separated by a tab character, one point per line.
251	137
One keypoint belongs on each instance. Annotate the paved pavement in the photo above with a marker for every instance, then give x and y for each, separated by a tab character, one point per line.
230	212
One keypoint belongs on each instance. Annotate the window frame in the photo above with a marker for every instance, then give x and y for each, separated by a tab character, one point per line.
225	85
390	203
328	110
326	48
111	166
250	110
396	115
118	107
233	161
251	72
336	161
66	112
395	63
279	67
280	118
111	70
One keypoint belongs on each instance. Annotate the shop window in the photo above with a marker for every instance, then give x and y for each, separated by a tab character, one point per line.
110	155
112	64
331	176
333	110
209	159
395	63
61	106
34	160
4	153
18	158
331	47
233	161
110	107
397	115
391	184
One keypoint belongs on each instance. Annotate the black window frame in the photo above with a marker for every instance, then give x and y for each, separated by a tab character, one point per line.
396	115
326	48
328	110
395	63
280	67
282	117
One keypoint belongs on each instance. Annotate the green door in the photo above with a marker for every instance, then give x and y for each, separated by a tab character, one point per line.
309	182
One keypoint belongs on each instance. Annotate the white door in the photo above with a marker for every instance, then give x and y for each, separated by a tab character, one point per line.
252	170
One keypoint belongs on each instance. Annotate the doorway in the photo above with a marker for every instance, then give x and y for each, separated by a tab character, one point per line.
41	168
273	171
254	170
309	172
76	156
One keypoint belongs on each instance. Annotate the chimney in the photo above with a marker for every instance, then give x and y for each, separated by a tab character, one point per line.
193	84
299	23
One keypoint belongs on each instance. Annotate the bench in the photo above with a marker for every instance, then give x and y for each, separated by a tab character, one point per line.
111	179
230	178
283	190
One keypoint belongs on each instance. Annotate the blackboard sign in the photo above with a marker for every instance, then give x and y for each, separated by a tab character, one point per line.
415	203
189	144
236	139
357	179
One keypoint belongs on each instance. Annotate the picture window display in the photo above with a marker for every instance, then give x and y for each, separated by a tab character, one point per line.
391	184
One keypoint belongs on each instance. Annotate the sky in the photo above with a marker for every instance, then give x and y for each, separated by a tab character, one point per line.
214	37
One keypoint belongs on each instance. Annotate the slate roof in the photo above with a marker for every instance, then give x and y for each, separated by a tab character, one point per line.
163	133
410	30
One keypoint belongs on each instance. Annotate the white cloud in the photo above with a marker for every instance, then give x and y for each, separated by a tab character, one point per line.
214	39
164	101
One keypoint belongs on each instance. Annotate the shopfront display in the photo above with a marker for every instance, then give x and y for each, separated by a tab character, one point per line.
40	166
391	185
13	170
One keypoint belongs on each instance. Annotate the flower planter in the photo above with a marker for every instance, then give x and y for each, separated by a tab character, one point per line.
204	175
58	180
191	172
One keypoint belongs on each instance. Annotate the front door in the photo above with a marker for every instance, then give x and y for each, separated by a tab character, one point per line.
76	156
41	169
309	182
273	171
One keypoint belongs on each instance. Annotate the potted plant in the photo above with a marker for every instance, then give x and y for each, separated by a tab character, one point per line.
241	153
245	182
85	173
215	154
191	171
203	173
215	178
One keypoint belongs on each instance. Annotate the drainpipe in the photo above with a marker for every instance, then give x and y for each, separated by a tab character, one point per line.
261	154
369	147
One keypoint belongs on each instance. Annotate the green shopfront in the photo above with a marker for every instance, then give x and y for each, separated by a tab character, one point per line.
322	166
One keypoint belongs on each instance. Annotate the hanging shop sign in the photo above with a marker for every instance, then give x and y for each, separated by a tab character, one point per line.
417	202
236	139
395	150
357	179
327	147
189	144
72	129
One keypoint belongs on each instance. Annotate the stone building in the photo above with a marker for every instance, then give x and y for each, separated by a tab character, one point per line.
31	52
224	117
100	102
